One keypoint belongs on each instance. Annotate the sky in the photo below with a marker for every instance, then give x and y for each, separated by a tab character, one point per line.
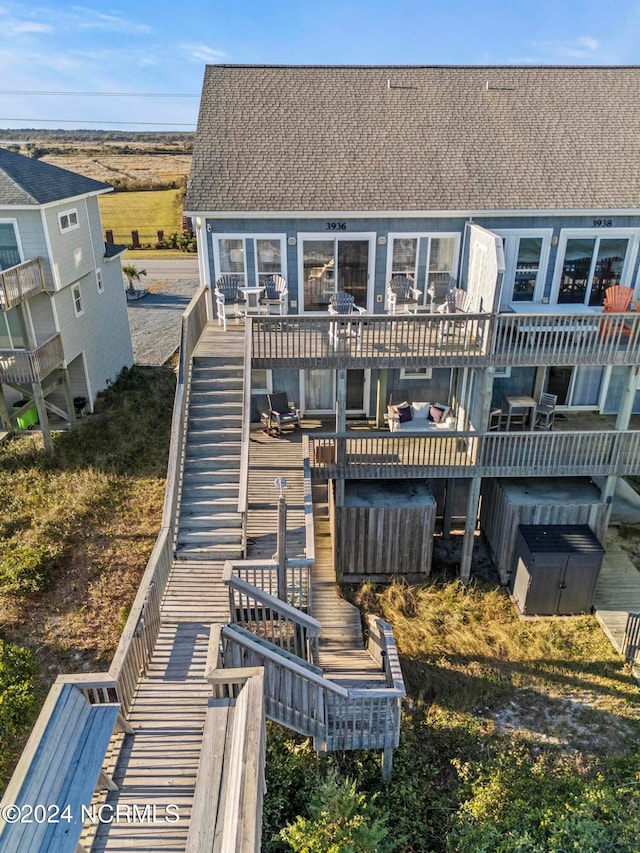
139	65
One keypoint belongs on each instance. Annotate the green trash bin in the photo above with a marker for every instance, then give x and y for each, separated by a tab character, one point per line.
28	418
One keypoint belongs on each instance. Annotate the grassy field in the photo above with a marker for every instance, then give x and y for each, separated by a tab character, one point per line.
77	530
517	737
147	212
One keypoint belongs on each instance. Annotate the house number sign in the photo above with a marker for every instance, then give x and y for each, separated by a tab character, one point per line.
336	226
602	223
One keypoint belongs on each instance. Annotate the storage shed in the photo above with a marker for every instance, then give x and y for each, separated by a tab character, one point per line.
555	569
507	503
385	528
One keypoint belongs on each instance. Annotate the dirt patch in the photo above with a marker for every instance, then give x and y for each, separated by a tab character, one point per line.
569	723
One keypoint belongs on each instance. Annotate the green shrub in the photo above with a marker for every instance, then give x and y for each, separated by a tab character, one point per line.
341	820
519	803
25	569
18	701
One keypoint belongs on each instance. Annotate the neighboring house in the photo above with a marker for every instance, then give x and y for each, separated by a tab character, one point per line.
521	183
64	329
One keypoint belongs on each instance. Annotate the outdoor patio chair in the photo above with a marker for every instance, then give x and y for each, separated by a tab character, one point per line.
343	304
617	300
229	301
457	302
545	411
439	286
281	413
402	296
495	419
275	297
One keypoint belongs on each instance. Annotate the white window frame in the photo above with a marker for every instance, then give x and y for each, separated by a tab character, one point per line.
76	296
16	234
337	237
99	281
502	372
269	386
245	238
422	283
632	234
69	215
273	238
409	373
513	235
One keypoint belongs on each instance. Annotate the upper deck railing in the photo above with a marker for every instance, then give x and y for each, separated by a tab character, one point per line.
31	365
20	282
481	340
472	454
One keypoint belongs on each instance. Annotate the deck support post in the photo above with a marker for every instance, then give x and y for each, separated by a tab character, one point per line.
341	427
387	763
281	553
447	510
5	417
622	423
381	396
470	529
43	417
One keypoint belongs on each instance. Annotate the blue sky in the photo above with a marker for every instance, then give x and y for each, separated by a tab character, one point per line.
161	48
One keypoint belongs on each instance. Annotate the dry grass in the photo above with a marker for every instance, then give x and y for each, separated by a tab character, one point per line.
466	649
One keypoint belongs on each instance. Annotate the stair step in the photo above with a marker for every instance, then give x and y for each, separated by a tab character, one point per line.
221	536
212	464
209	491
216	521
213	457
198	408
211	552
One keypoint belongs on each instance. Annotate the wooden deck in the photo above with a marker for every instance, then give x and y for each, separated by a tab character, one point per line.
617	593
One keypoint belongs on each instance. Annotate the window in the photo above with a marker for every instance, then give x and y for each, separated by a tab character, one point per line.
415	373
526	255
590	261
425	259
68	220
9	249
261	381
268	259
77	300
250	259
99	283
502	373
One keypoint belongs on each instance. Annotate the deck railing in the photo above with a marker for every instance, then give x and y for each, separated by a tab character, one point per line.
471	454
31	365
378	340
263	574
20	282
269	617
299	698
141	630
243	486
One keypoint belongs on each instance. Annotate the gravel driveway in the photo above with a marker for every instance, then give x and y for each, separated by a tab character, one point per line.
155	319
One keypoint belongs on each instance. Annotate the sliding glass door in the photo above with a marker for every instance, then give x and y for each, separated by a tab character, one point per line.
330	264
590	262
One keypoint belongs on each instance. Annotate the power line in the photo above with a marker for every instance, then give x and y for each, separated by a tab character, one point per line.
79	121
102	94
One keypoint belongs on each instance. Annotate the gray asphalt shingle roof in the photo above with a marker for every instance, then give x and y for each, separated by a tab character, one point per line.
25	181
312	138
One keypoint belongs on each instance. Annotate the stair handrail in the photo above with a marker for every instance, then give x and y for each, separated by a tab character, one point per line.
243	486
306	629
141	630
314	706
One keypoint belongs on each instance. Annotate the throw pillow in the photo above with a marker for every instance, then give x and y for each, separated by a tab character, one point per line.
436	414
404	412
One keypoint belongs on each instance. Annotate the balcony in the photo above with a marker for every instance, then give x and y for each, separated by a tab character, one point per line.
28	366
440	340
20	282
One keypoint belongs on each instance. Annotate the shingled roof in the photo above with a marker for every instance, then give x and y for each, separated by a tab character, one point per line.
26	181
352	138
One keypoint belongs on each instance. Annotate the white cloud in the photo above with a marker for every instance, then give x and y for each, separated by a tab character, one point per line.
582	47
12	27
202	52
91	20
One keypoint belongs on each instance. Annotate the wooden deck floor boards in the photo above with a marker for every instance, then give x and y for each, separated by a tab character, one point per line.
617	593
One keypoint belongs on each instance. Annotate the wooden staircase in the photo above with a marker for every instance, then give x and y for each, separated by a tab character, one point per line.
209	524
